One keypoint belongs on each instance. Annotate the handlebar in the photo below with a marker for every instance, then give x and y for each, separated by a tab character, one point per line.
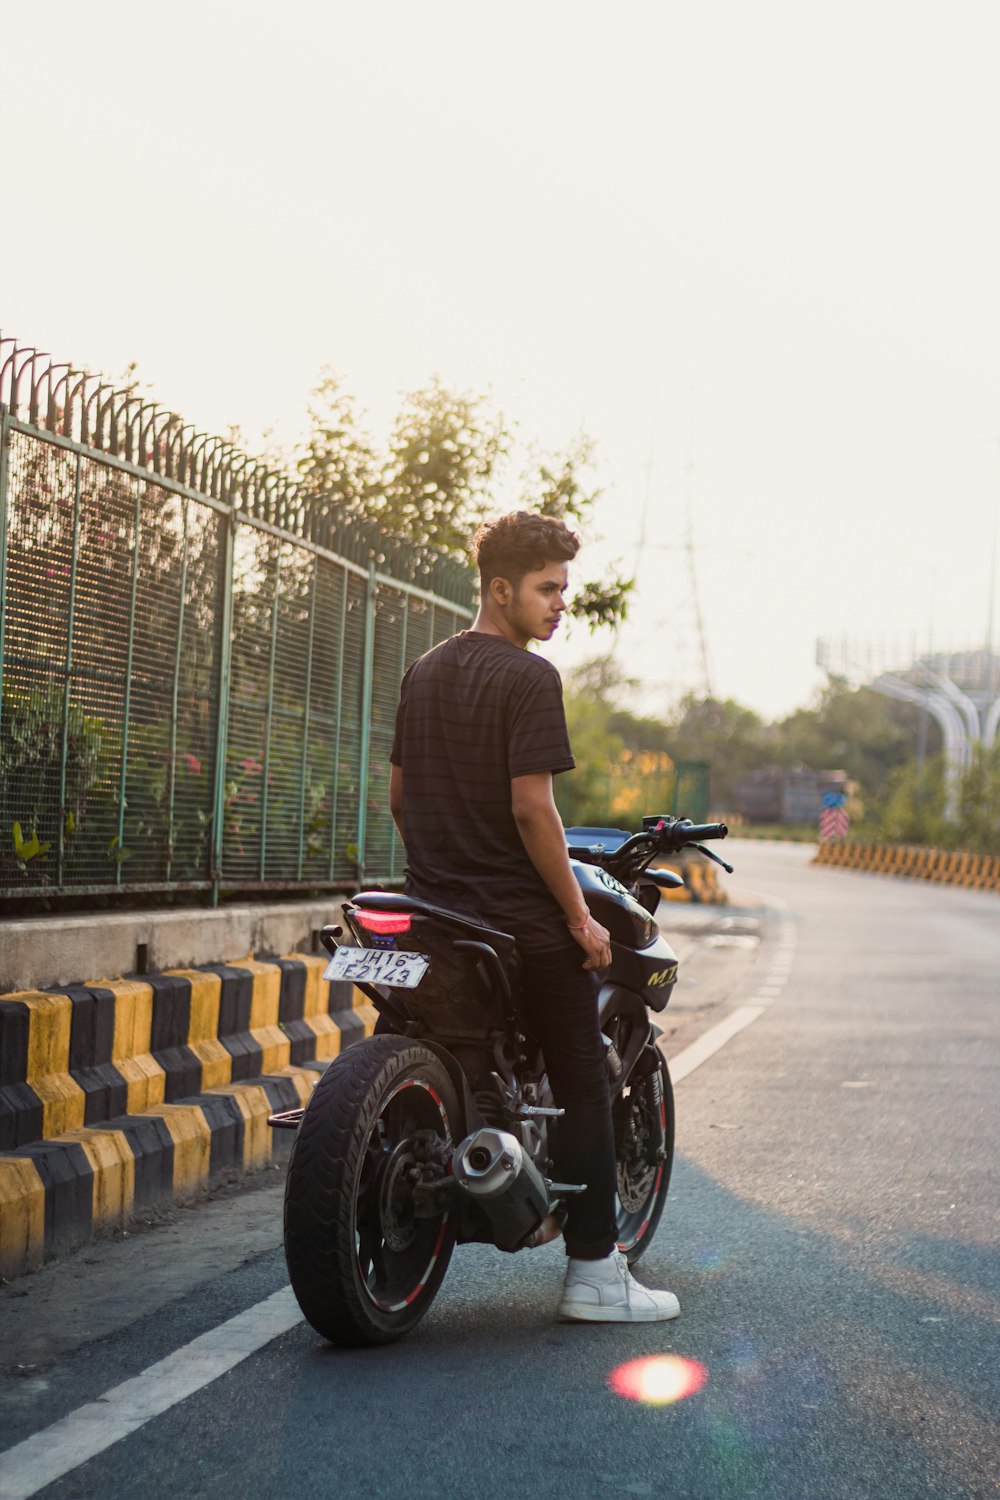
659	835
698	831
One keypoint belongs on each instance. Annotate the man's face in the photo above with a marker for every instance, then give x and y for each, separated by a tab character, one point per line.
537	603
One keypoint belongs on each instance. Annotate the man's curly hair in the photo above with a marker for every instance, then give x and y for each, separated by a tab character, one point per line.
521	542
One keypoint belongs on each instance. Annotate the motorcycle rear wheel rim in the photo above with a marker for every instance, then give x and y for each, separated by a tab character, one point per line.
394	1267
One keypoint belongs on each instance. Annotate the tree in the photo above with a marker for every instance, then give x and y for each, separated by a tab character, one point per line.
911	810
434	484
622	766
337	465
852	729
978	826
443	454
731	737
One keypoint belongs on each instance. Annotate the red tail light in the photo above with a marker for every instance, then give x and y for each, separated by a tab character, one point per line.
384	921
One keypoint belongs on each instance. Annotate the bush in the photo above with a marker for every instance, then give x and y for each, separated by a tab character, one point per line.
31	769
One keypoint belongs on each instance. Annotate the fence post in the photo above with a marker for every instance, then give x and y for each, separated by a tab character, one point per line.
175	694
123	780
269	718
222	720
394	837
64	749
4	449
340	718
304	768
366	719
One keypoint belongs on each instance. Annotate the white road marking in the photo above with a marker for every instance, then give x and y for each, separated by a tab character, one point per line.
717	1036
48	1455
710	1041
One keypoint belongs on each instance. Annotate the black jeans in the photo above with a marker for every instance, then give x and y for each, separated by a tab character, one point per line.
559	1006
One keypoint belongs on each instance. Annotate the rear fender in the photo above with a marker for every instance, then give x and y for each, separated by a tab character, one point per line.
471	1118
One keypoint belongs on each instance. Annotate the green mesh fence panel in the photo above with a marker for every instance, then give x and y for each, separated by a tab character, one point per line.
324	788
46	755
691	796
119	673
282	783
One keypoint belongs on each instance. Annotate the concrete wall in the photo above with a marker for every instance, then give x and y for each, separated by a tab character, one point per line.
42	952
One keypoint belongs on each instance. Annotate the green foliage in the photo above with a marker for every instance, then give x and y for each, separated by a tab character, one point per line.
337	464
168	808
26	849
443	454
852	729
731	737
978	825
623	769
871	737
603	603
583	796
911	810
31	768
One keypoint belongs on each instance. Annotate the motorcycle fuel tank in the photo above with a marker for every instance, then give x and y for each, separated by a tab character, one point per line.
627	921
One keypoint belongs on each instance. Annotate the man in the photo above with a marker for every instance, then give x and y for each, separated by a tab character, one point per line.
480	733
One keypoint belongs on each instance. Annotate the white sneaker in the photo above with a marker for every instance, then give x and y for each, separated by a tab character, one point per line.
605	1291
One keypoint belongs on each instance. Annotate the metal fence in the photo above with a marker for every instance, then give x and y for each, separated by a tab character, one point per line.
200	669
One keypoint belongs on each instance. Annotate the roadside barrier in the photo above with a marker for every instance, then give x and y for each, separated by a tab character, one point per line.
123	1096
701	880
950	867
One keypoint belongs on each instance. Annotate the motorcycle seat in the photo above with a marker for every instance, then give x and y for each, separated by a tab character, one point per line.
396	901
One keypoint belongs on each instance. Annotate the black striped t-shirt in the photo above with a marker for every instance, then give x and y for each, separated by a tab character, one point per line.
474	712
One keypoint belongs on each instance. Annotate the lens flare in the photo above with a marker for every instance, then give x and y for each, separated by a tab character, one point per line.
658	1380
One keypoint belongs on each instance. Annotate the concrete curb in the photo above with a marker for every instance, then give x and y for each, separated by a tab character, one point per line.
123	1096
701	880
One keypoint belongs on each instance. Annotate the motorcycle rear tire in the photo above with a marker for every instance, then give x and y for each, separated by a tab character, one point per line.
644	1172
364	1270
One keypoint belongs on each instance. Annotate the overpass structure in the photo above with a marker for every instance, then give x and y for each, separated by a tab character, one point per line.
960	689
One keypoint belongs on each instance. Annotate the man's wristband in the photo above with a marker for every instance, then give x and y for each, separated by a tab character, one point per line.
579	926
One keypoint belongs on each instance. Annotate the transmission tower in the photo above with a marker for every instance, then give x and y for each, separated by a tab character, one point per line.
687	611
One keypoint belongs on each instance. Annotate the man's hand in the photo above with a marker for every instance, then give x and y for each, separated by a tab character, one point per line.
595	940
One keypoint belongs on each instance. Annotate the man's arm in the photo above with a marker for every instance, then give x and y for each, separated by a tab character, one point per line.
396	798
540	826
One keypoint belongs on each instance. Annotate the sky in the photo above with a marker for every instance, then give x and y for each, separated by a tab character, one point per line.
752	250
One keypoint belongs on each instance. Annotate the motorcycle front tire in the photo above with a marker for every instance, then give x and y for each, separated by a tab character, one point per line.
364	1268
644	1147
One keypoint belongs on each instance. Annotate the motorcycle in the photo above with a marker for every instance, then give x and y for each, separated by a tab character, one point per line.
435	1132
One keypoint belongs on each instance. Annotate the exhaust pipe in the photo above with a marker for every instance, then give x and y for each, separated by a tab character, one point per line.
492	1168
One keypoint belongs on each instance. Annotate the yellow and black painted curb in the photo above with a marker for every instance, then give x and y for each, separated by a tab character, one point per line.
701	880
948	866
126	1095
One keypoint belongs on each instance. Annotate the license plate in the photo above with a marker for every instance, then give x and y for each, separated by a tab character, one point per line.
403	971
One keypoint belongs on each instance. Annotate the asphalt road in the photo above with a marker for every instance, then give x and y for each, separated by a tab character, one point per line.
832	1233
